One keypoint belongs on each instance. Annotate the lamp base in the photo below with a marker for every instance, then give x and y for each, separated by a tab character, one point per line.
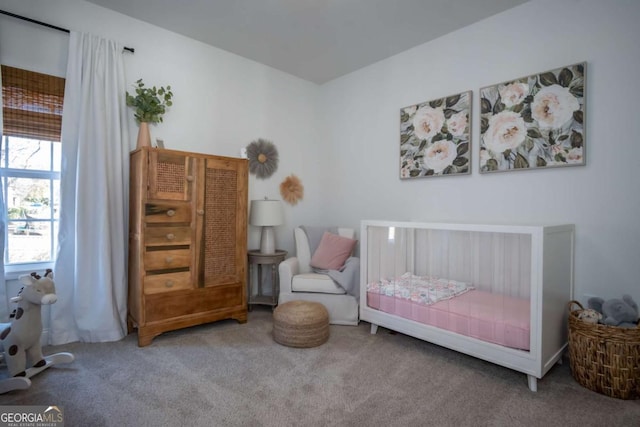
267	240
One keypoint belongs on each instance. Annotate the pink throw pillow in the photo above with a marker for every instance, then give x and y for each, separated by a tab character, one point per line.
332	252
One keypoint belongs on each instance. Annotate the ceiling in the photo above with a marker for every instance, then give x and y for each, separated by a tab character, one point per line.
317	40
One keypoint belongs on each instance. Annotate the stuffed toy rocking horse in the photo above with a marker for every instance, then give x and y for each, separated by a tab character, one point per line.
20	339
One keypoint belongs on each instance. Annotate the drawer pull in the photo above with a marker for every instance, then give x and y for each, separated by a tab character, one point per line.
171	212
169	283
171	236
168	259
200	212
190	178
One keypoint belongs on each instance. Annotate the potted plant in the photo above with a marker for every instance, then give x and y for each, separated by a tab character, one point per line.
149	104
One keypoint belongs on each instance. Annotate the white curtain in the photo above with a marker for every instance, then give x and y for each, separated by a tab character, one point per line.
91	267
4	302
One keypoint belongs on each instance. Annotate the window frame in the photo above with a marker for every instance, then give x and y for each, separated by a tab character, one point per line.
15	268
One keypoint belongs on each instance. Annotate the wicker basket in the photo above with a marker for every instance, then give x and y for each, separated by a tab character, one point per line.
605	359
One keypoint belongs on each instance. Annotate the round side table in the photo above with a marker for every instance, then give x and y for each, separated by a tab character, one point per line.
260	260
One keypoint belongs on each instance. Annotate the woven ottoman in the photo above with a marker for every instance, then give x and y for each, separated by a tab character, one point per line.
301	324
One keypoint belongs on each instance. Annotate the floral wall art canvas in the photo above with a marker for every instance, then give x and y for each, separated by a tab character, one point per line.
534	122
435	137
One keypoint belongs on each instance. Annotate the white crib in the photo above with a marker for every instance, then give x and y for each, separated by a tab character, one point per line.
496	292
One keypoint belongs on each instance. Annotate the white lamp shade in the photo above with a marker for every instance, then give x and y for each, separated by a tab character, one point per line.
266	213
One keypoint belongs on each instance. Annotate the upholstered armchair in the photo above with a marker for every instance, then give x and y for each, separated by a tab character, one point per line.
299	281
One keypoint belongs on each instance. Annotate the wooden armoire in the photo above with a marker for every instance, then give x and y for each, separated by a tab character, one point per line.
187	240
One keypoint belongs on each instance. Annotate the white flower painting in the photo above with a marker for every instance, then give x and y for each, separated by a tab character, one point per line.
435	137
534	122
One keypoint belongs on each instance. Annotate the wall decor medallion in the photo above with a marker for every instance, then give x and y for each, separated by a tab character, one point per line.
534	122
292	190
435	137
263	158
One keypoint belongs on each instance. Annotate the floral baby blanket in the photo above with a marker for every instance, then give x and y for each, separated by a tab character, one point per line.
425	290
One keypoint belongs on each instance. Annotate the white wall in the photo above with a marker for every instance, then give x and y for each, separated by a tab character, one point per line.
342	138
222	101
360	131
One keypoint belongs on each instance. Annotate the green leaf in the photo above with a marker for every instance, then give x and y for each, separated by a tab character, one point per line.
435	104
448	112
414	173
498	107
447	170
576	139
540	162
404	138
404	117
438	137
548	79
578	116
563	137
518	108
528	144
559	158
577	91
534	133
565	77
520	162
485	106
484	125
423	144
429	172
452	100
460	161
462	148
526	115
492	165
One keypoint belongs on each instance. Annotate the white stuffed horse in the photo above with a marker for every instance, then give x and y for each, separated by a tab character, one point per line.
20	339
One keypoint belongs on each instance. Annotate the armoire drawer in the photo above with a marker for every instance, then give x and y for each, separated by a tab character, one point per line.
164	236
167	212
158	283
167	259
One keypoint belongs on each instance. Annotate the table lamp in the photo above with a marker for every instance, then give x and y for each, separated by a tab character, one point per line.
266	213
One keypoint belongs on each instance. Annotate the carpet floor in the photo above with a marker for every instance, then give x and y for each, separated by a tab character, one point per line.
231	374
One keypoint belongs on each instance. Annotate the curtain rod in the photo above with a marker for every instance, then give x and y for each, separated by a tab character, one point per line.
44	24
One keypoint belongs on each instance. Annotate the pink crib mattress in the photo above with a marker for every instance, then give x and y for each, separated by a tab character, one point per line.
489	317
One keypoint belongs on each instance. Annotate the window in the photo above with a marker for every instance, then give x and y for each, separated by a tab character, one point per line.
30	164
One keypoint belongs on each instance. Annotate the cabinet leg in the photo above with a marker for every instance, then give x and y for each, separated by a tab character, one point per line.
144	340
374	329
241	318
129	325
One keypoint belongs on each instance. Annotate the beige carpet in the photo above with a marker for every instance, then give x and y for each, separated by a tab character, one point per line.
228	374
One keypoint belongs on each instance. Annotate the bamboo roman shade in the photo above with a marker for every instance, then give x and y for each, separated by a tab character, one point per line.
31	104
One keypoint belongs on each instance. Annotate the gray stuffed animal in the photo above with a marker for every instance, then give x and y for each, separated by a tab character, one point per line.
616	312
